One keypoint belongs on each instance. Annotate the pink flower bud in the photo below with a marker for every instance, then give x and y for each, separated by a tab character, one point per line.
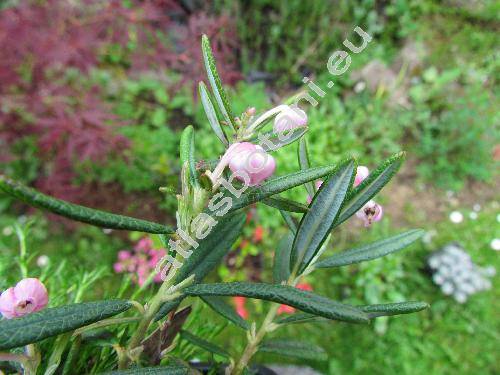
29	295
250	163
289	118
370	212
361	173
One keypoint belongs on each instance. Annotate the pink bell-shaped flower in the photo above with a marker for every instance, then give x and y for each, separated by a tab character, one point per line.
362	172
289	118
29	295
247	159
370	212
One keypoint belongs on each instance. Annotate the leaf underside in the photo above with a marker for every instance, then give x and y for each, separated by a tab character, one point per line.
79	213
371	251
37	326
300	299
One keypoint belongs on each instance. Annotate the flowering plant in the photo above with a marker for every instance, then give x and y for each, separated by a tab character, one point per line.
210	217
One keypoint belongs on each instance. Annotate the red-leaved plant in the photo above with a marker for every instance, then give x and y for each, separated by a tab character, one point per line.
47	50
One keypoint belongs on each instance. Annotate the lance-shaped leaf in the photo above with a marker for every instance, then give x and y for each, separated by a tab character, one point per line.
373	311
371	251
274	141
317	223
77	212
167	307
281	266
165	370
290	348
290	222
300	317
388	309
285	204
215	82
283	294
187	153
370	187
37	326
204	344
207	256
212	248
220	306
278	185
211	114
304	163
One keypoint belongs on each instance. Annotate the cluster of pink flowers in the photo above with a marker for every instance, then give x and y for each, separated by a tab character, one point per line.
371	211
28	296
141	261
250	163
240	302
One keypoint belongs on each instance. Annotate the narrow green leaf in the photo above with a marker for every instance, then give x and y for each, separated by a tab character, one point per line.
277	141
283	294
300	317
215	82
37	326
211	114
304	163
285	204
289	221
208	255
187	153
297	349
317	223
167	307
370	187
204	344
279	184
373	311
281	267
220	306
77	212
371	251
165	370
212	248
389	309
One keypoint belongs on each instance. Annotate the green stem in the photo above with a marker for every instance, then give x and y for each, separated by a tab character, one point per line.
255	340
12	357
166	293
31	366
105	323
29	361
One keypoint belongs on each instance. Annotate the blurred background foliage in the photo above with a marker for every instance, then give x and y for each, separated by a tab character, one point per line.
93	96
